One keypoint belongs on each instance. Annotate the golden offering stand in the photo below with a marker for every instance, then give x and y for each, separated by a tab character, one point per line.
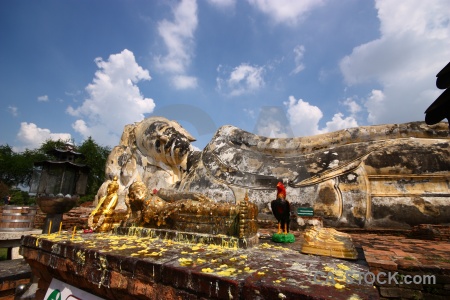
328	242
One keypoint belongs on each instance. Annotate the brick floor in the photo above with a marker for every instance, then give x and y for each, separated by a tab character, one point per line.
404	251
407	256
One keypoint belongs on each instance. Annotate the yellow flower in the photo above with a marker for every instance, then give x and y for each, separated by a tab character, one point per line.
185	261
207	270
339	286
227	272
343	267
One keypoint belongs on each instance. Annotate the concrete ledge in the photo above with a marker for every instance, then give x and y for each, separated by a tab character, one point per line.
126	267
11	240
12	274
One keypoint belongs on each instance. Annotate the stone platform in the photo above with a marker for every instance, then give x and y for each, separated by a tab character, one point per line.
274	270
133	267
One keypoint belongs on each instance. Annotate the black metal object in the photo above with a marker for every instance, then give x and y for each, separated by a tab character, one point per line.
55	207
53	220
440	108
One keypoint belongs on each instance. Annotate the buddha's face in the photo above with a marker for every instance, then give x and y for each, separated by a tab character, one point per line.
164	140
137	192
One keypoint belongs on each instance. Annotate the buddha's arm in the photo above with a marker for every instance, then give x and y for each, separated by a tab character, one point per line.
171	195
111	205
100	203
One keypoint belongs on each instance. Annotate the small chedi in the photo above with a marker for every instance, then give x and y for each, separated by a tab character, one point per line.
391	176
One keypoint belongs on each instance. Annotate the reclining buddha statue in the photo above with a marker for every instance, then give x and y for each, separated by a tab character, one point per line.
394	175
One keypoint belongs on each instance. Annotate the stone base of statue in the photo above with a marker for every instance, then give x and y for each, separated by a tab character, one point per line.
283	238
108	223
194	238
328	242
204	217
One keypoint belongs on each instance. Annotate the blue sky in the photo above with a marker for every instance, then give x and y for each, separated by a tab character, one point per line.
74	69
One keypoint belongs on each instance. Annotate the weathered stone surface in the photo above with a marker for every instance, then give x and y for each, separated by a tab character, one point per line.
375	176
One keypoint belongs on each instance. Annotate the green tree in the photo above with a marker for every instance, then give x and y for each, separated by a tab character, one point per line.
50	145
19	197
94	156
4	191
7	175
16	168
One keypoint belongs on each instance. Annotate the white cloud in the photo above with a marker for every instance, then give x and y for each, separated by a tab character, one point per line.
183	82
299	51
32	136
273	129
338	123
272	122
376	106
242	80
13	110
81	127
286	11
178	36
114	99
414	45
304	118
250	112
353	106
224	4
43	98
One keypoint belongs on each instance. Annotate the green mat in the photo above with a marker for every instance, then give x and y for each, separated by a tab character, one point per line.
283	238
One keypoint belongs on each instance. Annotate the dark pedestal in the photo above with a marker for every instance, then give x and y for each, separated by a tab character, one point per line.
55	220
